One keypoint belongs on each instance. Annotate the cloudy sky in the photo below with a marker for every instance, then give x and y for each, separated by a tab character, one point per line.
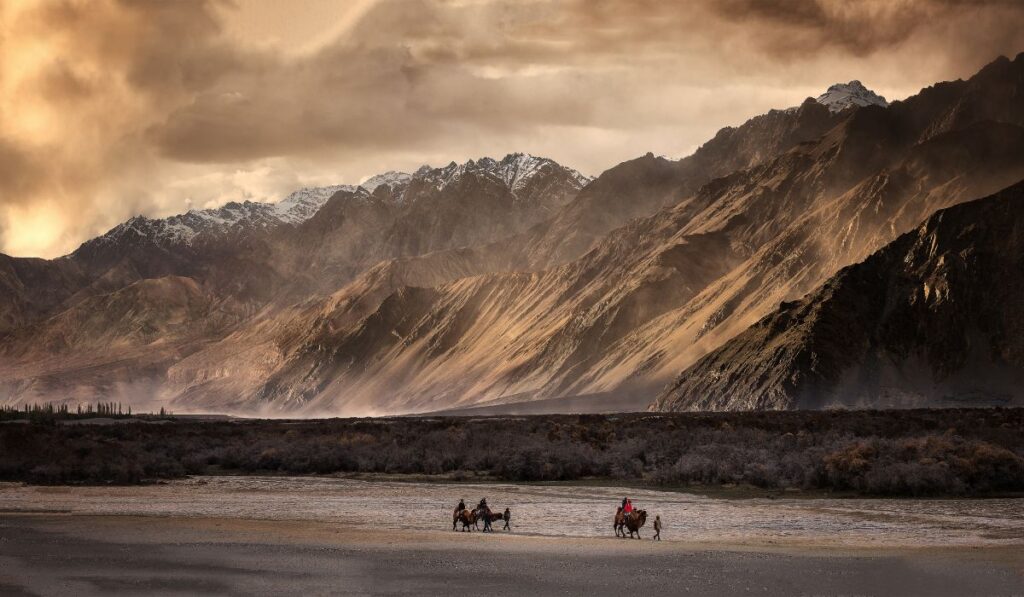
112	108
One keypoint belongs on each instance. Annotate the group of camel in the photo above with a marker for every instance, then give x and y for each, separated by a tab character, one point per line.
470	519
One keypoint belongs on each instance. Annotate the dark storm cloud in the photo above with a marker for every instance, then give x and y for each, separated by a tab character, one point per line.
129	92
412	71
413	68
861	28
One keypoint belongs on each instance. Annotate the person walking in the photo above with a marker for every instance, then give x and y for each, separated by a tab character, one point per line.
484	511
657	528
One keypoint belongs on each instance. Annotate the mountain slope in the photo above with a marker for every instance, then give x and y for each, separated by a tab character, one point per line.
251	262
33	287
502	280
433	209
643	186
634	189
932	319
654	296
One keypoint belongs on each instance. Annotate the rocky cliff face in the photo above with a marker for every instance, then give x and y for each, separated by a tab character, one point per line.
932	319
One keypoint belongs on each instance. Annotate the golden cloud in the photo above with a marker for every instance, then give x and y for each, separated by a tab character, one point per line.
110	108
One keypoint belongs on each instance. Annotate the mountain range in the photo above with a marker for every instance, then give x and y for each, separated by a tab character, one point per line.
505	283
926	321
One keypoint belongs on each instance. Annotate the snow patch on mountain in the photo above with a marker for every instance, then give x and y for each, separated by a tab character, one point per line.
303	203
515	171
844	95
391	179
182	229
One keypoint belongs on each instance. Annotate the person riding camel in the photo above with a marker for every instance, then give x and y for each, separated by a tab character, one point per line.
627	506
461	506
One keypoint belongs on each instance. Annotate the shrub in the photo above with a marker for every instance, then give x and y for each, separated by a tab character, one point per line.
927	452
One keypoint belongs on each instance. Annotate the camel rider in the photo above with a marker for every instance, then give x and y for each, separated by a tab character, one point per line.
461	506
627	506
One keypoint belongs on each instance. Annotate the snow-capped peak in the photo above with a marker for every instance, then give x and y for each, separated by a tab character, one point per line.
391	179
844	95
303	203
515	170
180	229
